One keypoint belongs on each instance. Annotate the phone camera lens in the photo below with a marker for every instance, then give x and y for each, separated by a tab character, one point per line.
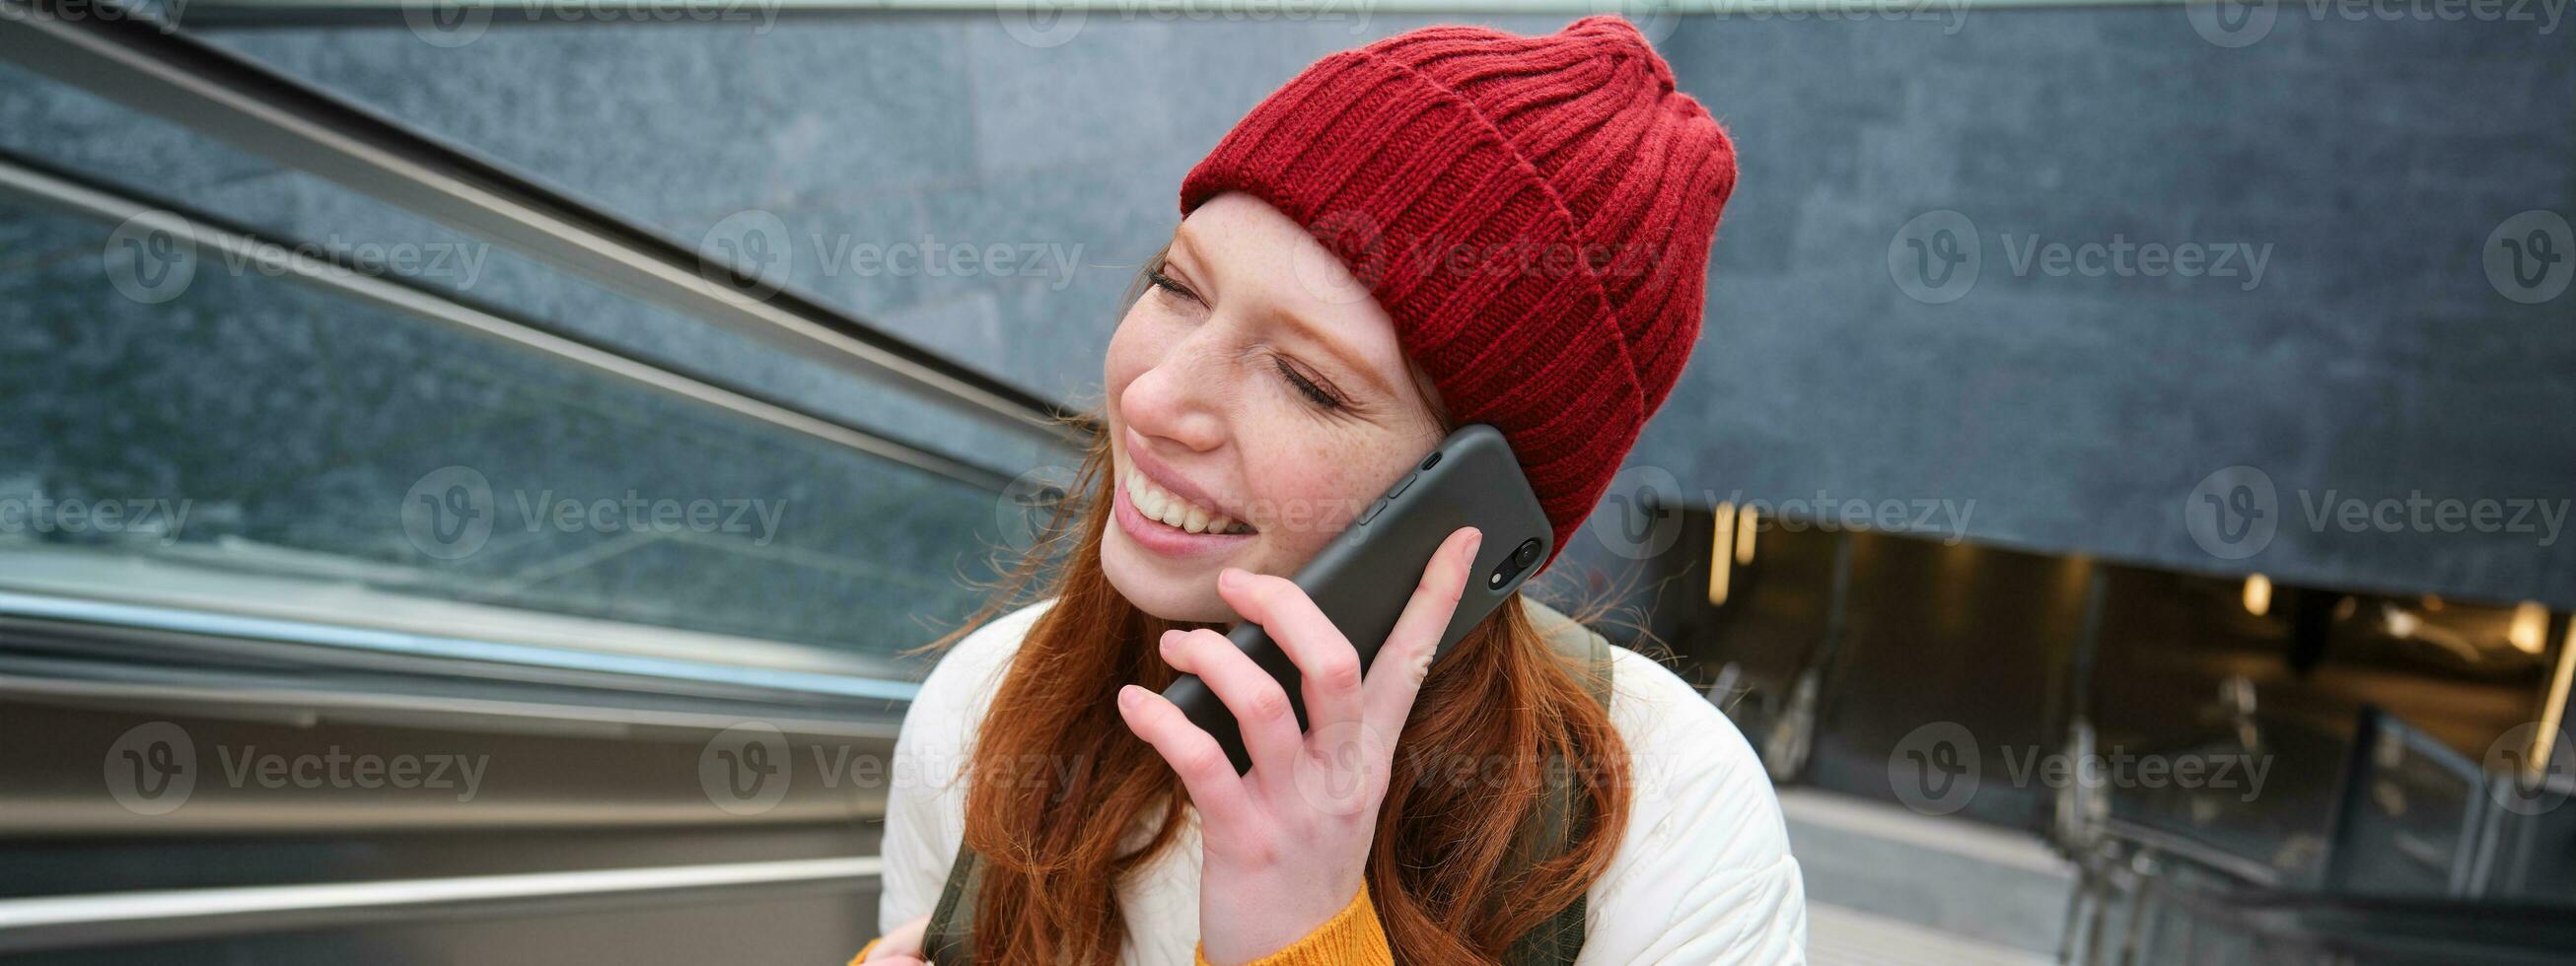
1521	558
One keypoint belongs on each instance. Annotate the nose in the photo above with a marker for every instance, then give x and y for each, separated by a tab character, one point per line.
1183	398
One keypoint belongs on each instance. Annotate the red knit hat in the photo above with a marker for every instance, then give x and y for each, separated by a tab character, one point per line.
1534	212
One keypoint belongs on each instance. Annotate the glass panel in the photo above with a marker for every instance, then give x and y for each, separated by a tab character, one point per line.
253	429
190	427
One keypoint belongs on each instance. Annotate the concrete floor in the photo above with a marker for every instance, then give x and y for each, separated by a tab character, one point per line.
1887	885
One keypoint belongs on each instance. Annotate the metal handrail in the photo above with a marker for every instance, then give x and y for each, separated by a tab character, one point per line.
39	183
83	921
2214	891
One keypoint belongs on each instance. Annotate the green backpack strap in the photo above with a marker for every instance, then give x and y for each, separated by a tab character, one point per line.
1557	940
949	940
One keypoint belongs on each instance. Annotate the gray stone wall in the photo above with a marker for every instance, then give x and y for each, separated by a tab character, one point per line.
2066	406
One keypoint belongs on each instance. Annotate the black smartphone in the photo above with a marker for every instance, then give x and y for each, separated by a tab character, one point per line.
1364	577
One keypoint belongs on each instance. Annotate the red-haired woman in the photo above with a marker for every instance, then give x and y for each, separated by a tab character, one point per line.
1449	226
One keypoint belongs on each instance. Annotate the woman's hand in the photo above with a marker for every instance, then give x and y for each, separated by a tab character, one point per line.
1285	844
902	946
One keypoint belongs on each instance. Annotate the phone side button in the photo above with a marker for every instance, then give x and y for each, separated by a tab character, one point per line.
1371	512
1401	484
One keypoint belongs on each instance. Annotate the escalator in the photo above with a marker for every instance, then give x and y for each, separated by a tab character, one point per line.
482	578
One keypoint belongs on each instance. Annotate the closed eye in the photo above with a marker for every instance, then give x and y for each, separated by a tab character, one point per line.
1318	394
1168	284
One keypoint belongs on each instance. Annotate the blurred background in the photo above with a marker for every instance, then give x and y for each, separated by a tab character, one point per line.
471	468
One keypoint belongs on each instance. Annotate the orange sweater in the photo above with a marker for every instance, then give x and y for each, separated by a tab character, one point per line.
1353	937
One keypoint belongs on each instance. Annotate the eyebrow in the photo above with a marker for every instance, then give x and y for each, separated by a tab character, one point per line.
1312	332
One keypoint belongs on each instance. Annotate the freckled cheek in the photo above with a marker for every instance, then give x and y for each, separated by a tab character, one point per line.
1310	493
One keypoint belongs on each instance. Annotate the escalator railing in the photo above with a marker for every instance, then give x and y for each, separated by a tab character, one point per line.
312	723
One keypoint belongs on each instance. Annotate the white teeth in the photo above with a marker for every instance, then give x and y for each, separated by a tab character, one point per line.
1172	511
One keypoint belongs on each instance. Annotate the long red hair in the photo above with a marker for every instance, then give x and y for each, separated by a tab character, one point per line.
1059	780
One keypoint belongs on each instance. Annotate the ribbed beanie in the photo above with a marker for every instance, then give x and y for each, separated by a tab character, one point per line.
1535	213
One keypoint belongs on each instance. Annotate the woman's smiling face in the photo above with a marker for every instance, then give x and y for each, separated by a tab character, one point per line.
1257	401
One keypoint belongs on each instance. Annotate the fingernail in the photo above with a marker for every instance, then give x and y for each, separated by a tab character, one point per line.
1475	539
1127	695
1229	577
1165	642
